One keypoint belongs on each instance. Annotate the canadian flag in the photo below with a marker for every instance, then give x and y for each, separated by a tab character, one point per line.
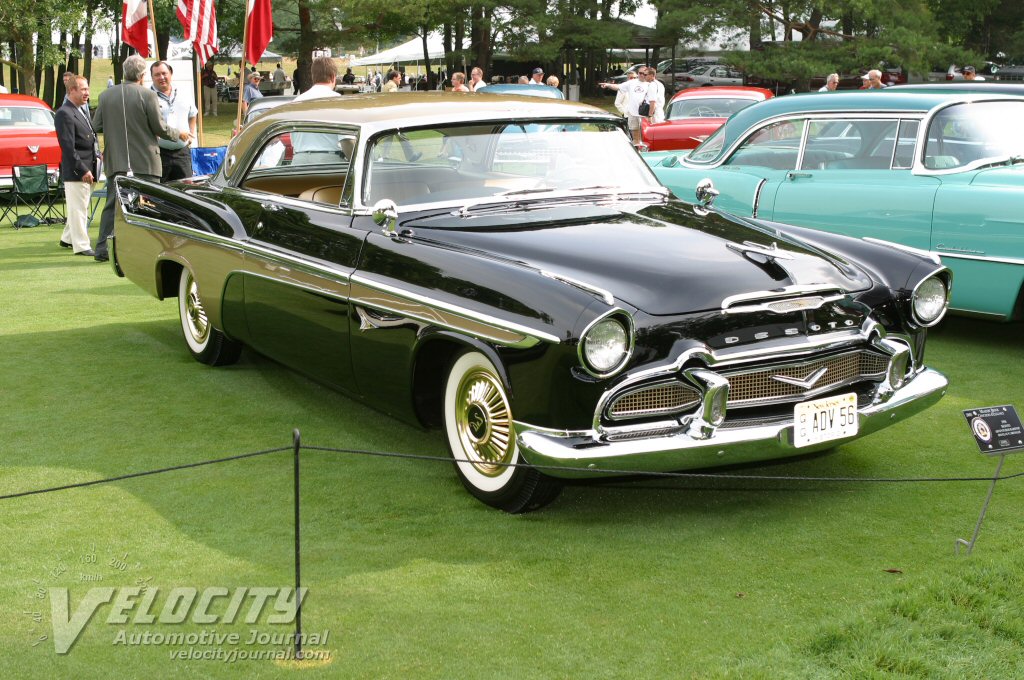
260	27
135	26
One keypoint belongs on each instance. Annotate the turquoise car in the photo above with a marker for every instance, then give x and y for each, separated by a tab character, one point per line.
938	171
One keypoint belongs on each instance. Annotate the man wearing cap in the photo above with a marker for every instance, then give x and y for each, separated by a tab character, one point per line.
971	75
872	80
252	90
538	76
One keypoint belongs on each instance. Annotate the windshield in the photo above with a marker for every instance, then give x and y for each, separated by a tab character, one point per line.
974	133
710	149
25	117
471	162
706	107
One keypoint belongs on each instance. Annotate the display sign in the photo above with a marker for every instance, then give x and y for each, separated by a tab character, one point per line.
997	429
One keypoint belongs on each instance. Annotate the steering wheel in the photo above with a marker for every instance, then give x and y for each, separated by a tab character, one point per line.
705	112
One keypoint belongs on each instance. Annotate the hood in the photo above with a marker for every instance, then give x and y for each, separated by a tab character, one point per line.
662	259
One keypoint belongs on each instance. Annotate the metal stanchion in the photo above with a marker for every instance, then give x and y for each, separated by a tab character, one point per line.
296	446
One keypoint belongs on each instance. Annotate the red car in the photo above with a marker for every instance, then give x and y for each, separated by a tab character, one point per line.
27	136
694	114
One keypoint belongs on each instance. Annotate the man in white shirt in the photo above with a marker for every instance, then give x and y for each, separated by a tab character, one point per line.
537	77
476	79
636	92
314	148
178	112
656	96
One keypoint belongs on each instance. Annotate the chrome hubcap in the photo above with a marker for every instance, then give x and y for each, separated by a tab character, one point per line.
195	316
484	423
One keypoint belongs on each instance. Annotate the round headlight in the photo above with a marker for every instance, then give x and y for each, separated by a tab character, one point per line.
930	300
605	346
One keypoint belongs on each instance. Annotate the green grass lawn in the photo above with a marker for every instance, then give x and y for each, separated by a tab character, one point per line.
415	579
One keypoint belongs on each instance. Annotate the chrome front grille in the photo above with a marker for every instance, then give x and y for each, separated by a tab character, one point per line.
654	400
760	386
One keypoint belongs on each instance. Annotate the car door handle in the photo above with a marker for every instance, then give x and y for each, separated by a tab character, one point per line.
272	207
798	175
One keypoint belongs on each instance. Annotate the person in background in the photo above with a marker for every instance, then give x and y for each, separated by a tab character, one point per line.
620	95
130	114
636	93
831	83
316	148
349	78
110	81
278	78
209	79
971	75
655	96
537	77
476	79
391	84
251	91
552	81
179	113
78	167
523	80
872	80
459	82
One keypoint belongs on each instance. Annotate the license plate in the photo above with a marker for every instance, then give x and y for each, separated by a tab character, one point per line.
825	419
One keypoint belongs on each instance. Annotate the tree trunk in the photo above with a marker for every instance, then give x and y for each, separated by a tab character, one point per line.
307	36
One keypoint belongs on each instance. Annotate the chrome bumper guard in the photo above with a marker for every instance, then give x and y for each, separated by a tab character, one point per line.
575	454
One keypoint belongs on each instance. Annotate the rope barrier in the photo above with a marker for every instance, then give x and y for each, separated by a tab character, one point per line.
448	459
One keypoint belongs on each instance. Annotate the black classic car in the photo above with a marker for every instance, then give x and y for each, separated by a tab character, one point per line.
510	271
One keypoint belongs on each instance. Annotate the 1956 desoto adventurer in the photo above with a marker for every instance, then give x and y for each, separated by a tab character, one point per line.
509	269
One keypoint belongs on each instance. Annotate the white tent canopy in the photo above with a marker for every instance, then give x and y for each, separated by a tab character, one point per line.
410	51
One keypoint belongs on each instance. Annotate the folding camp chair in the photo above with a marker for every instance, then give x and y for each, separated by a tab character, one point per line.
56	208
98	198
207	160
7	205
32	190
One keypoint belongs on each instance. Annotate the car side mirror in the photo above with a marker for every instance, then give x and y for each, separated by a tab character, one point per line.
706	191
385	216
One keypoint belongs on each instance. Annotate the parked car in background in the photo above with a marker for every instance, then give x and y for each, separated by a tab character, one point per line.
707	75
509	271
27	137
693	114
545	91
667	69
929	167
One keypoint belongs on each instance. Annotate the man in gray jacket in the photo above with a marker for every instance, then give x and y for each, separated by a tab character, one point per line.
129	116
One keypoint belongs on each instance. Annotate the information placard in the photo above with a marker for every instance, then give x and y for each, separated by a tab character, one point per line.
997	429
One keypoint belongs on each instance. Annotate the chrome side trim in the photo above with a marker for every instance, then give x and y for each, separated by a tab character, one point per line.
933	257
426	308
601	293
757	197
982	258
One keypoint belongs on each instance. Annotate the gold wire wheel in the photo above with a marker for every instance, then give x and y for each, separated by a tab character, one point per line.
484	423
195	316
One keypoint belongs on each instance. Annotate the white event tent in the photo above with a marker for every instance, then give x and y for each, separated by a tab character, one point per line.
411	51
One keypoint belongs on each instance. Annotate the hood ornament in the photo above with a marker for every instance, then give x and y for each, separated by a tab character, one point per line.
807	383
33	148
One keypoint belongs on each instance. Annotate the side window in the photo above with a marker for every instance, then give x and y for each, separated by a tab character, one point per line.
309	165
906	143
773	146
849	145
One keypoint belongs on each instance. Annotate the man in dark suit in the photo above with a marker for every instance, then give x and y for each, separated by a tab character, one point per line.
77	164
129	115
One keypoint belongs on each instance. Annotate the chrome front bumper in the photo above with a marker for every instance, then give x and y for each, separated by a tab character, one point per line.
576	454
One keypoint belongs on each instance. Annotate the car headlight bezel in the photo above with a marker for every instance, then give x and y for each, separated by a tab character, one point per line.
924	293
606	344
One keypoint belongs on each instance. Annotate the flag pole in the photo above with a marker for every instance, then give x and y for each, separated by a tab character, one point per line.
241	69
198	89
152	25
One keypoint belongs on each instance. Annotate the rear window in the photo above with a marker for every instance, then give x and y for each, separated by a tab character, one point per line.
974	133
26	117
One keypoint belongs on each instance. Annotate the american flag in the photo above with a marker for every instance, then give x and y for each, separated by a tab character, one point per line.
199	19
